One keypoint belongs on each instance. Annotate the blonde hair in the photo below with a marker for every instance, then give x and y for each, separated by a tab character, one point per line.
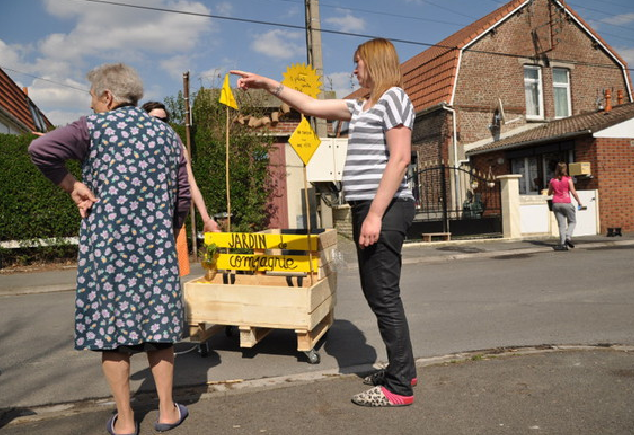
382	63
561	170
120	79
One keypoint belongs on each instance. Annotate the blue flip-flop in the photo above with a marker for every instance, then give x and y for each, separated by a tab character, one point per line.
110	426
164	427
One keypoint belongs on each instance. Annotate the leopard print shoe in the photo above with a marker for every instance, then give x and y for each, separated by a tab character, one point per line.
380	396
378	378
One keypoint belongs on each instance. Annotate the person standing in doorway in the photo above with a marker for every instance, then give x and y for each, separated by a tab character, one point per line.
561	187
375	185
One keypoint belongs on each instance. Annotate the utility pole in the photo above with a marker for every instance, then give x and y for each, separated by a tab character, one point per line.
314	57
188	138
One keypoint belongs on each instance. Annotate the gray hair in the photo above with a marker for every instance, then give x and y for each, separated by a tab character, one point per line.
120	79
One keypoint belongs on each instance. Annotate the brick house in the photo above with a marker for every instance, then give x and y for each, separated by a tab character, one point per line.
527	65
18	113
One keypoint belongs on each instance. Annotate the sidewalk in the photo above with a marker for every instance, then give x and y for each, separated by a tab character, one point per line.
564	391
413	253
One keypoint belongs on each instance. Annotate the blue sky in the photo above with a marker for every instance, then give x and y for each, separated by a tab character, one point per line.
60	40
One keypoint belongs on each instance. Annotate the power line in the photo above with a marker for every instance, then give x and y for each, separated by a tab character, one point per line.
375	12
336	32
46	80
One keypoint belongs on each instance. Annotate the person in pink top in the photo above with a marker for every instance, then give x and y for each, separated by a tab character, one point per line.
561	187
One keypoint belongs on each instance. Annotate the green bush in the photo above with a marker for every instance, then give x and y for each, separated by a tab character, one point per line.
31	207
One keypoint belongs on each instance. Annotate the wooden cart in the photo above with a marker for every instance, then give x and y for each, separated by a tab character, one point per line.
287	282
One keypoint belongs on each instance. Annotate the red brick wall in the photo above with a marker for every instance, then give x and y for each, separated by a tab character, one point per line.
483	78
614	174
277	207
495	160
431	137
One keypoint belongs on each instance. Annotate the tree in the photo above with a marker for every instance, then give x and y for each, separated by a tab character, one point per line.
249	158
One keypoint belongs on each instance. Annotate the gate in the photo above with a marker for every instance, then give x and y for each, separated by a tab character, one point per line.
456	200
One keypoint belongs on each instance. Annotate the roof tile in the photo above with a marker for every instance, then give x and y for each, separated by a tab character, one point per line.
16	103
582	124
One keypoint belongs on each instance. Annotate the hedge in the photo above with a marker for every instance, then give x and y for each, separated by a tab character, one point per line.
31	207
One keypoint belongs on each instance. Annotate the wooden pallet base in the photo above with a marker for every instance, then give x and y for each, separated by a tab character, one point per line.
250	335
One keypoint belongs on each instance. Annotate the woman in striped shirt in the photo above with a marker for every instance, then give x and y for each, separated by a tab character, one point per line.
375	185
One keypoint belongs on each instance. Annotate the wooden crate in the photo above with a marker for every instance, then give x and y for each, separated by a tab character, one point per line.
301	300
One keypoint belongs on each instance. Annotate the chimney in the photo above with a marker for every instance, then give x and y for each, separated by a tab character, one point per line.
608	101
26	91
619	97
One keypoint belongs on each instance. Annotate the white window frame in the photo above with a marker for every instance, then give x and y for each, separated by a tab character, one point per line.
565	86
540	88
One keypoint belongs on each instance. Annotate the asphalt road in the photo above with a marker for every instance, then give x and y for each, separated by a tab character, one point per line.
580	297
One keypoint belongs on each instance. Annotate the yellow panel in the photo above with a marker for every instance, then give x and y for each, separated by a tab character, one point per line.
262	263
262	241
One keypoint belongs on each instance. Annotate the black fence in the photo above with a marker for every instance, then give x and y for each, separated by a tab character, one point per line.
456	200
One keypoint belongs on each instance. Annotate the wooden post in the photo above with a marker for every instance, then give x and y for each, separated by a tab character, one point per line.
308	229
188	123
228	187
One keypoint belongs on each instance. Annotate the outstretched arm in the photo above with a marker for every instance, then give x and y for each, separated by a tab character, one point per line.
329	109
209	224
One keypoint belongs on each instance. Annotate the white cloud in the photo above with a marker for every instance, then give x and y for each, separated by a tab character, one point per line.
176	65
60	118
347	23
619	20
103	29
224	8
279	44
341	82
98	33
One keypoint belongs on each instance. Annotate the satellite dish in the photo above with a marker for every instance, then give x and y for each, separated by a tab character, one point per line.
501	114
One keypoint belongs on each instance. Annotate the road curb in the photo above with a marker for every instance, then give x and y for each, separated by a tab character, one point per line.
214	389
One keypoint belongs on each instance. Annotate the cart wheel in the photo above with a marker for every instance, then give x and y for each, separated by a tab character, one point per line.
203	350
313	356
228	331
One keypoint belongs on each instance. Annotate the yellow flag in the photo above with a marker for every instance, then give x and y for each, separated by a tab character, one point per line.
226	96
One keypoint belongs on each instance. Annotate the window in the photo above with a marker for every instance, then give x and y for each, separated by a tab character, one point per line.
537	165
527	167
533	92
561	92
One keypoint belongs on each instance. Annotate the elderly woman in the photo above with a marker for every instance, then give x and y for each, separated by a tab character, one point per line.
133	194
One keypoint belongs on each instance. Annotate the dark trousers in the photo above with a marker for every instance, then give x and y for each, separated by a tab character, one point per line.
380	274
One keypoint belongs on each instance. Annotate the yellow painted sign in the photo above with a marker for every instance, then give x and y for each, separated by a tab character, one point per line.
261	241
304	141
303	78
266	263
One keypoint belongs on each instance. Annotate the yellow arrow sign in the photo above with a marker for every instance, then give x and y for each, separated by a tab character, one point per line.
304	141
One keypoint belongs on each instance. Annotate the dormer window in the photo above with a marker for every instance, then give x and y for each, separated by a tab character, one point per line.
534	92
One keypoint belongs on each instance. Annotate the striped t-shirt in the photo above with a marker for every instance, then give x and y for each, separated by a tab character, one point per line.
367	148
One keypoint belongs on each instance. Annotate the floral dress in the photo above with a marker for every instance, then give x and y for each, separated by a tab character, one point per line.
128	287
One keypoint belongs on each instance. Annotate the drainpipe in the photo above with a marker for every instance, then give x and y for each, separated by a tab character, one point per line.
455	156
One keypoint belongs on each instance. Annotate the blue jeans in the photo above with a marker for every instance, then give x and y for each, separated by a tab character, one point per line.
380	274
566	216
